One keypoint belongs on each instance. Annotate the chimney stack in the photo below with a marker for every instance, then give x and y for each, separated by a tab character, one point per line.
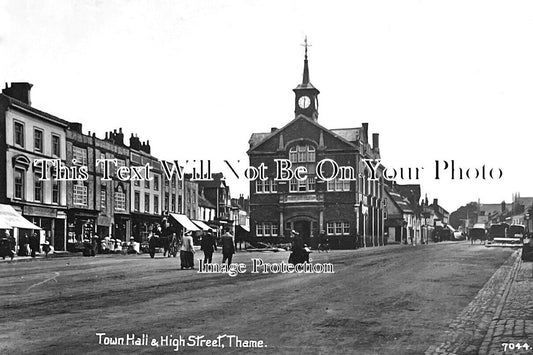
135	142
19	91
365	132
375	141
75	126
119	137
147	147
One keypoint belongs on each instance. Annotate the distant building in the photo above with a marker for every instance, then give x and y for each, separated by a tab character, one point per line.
145	193
190	196
400	221
172	194
207	210
240	210
441	216
217	192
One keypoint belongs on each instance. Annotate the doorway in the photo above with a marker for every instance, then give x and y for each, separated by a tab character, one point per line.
304	228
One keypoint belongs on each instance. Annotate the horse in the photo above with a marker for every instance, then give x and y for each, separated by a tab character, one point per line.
170	245
477	233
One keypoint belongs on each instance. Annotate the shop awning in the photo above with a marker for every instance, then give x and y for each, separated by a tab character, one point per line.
202	225
9	218
3	224
184	221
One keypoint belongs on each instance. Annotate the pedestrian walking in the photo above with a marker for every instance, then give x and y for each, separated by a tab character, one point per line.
299	254
23	245
187	251
153	243
7	246
34	244
209	245
46	247
228	247
12	244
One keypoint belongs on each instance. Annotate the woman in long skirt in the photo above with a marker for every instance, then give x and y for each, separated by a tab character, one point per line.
187	251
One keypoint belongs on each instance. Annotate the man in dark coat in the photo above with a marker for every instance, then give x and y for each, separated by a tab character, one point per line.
153	243
7	245
228	247
209	245
23	245
34	244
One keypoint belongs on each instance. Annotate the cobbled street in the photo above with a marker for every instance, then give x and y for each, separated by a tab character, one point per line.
398	299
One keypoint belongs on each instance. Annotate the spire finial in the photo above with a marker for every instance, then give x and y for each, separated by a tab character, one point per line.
305	45
305	79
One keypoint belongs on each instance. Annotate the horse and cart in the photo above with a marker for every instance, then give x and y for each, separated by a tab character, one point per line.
170	244
477	232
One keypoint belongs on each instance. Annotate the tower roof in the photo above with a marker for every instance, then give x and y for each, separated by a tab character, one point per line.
306	84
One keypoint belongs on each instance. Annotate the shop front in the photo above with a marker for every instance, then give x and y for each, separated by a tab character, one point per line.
121	229
143	225
51	221
103	225
12	222
81	225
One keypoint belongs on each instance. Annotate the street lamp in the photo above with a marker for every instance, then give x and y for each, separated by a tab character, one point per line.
426	214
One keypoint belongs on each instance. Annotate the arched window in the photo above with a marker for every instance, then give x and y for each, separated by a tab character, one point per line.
21	164
302	154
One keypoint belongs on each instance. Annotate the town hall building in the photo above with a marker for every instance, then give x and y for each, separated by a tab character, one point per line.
348	211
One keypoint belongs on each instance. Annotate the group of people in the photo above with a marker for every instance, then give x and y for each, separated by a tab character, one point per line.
32	242
208	246
8	246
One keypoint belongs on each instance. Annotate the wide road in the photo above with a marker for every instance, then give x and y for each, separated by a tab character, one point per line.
390	300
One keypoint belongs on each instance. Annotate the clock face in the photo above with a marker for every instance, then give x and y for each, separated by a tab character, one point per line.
304	102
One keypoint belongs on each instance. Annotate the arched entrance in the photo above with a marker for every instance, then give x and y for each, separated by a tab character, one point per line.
306	227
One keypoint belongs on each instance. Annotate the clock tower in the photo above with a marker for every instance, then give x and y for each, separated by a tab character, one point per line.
306	95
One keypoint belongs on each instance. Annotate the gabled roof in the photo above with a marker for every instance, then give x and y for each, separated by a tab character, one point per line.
256	138
203	202
411	192
439	211
216	182
350	134
401	202
259	138
490	207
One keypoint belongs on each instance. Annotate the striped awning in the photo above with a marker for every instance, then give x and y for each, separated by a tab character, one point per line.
202	225
184	221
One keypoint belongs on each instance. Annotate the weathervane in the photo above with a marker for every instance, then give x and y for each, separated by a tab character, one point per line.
305	45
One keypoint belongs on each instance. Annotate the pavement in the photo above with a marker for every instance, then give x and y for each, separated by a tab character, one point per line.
500	318
38	256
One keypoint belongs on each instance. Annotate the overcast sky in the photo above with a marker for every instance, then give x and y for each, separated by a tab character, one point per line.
438	80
